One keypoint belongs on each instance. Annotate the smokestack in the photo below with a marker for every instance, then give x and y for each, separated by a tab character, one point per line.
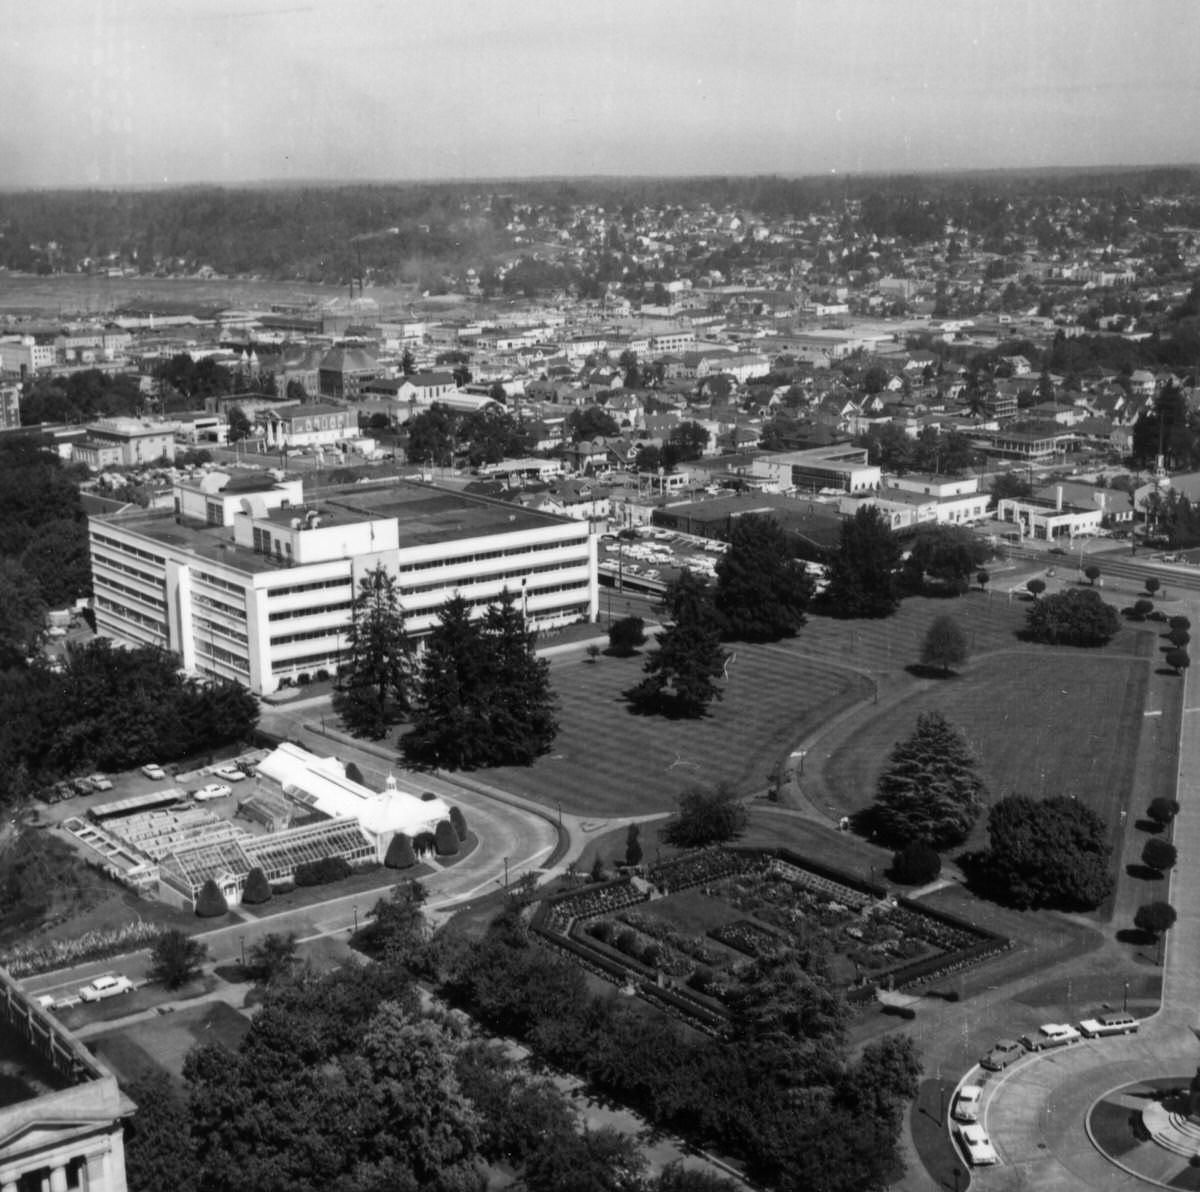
1058	498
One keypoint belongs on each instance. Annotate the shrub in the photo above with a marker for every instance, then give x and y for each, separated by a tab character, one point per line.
1159	854
445	839
1076	617
602	930
916	864
210	902
354	773
1179	623
304	678
322	872
423	842
626	941
322	675
1155	917
1162	810
633	846
459	822
400	853
626	635
257	889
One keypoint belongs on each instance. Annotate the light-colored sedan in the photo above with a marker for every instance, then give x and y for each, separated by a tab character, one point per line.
100	782
980	1152
1051	1034
108	986
1114	1023
214	790
156	772
229	773
966	1104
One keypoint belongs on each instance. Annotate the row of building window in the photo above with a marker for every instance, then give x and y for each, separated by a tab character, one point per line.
123	613
126	549
315	610
486	555
214	652
104	560
220	606
111	585
493	576
216	581
204	627
315	586
308	635
308	662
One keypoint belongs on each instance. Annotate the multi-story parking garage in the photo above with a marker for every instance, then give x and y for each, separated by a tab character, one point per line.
246	580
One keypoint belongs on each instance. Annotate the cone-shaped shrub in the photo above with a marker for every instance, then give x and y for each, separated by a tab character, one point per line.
916	864
400	853
354	773
445	839
459	823
211	902
257	888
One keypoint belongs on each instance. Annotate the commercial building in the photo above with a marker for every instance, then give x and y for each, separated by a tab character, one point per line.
61	1110
245	580
1049	519
841	467
130	442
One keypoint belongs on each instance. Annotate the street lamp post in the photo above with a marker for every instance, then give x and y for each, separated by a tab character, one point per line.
558	802
354	908
1125	1000
506	873
242	941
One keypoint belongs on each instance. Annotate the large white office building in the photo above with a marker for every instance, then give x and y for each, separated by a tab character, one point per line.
246	580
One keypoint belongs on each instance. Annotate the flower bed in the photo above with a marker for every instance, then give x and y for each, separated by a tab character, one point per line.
750	938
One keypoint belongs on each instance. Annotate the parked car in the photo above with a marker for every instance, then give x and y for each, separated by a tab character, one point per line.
154	771
980	1152
82	786
967	1103
107	986
214	790
1002	1054
46	1001
1050	1034
100	782
230	773
58	792
1115	1023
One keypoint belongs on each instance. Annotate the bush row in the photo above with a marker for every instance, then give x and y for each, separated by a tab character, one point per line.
28	959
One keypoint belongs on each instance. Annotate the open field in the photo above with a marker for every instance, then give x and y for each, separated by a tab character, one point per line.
1040	724
148	1047
609	761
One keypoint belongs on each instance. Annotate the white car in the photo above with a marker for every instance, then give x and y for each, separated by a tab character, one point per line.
229	773
967	1103
980	1152
1050	1034
109	986
1115	1023
214	790
154	771
100	782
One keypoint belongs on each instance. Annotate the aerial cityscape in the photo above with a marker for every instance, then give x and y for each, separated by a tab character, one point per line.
599	599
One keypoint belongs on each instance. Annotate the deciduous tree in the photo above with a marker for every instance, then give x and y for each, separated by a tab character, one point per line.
626	635
1155	917
176	958
945	556
1075	617
945	644
707	815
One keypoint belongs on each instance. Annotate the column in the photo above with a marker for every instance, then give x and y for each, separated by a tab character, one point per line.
58	1179
8	1183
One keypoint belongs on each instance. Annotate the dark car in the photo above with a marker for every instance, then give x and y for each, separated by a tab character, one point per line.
1005	1052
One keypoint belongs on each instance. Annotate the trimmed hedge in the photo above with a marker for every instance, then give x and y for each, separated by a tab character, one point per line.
257	889
210	902
322	872
400	853
445	839
459	823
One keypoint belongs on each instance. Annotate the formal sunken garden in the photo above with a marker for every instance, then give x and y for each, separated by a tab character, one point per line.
688	932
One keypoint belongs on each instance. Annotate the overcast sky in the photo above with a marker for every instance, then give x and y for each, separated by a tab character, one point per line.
124	92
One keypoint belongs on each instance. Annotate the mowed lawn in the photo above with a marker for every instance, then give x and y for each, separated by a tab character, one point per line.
1041	722
609	762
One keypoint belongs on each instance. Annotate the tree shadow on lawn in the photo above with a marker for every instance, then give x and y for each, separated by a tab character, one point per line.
1136	936
919	670
665	706
1148	825
1144	873
1168	672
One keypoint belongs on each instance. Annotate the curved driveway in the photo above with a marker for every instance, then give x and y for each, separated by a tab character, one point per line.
1036	1112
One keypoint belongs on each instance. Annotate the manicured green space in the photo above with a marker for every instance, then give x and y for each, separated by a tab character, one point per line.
161	1044
608	761
1045	722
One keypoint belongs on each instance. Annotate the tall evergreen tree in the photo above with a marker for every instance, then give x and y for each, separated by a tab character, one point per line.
762	590
681	675
523	717
863	578
483	696
929	789
373	691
